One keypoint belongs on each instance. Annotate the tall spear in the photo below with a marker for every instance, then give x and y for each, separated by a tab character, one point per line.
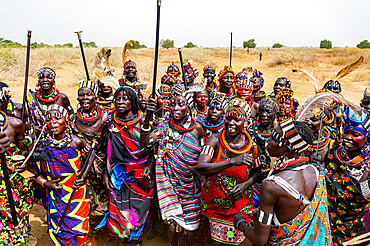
182	67
83	54
231	48
156	48
26	75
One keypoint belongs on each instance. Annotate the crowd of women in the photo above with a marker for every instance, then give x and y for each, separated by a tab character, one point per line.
219	161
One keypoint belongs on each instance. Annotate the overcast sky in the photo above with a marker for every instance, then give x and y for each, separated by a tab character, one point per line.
206	23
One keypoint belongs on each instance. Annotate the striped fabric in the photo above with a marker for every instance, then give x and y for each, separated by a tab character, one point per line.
89	84
291	134
177	195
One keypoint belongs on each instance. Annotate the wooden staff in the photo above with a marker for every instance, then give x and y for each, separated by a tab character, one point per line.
9	193
231	48
26	75
156	48
182	67
82	170
83	54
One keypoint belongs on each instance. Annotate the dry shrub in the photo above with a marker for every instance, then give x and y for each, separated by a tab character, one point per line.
339	62
294	58
12	63
360	76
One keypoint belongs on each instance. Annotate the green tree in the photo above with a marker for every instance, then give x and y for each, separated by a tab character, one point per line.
190	45
277	45
167	43
249	44
68	45
364	44
325	44
137	45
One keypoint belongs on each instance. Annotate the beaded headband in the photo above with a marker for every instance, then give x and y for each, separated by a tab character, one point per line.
218	98
269	104
58	108
89	84
291	138
129	63
173	69
226	69
209	66
46	70
179	101
241	75
287	81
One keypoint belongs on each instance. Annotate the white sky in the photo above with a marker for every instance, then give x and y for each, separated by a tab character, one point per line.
206	23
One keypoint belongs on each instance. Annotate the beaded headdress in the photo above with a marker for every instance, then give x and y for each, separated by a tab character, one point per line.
257	75
269	104
58	108
173	69
354	120
241	75
238	107
46	70
209	66
226	69
164	91
193	70
89	84
129	63
218	98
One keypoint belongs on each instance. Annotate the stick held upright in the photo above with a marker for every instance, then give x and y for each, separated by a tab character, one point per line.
231	48
156	48
83	54
182	67
26	75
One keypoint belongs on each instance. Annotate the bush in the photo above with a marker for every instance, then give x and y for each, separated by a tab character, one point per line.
190	45
167	44
67	45
5	43
364	44
249	44
90	44
325	44
277	45
137	45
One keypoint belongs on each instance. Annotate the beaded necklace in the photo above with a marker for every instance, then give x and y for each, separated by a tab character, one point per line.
119	123
283	163
3	120
323	142
244	149
59	144
357	166
45	99
184	129
262	135
90	118
214	127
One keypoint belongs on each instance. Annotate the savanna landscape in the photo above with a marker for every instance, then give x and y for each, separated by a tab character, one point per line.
67	62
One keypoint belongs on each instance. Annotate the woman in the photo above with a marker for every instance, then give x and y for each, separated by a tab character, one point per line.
229	161
129	171
178	149
347	166
59	176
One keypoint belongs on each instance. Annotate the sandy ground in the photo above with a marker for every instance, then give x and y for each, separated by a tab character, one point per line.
67	78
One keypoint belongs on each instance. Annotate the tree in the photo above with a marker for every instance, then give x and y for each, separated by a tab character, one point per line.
277	45
364	44
68	45
325	44
5	43
167	44
137	45
190	45
249	44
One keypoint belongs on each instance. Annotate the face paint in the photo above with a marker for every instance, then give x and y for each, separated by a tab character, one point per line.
164	103
244	92
202	99
285	107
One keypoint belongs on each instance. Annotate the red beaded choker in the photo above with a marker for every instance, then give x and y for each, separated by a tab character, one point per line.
181	129
52	98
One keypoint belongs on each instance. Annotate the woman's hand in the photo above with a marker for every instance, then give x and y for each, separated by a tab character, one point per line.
53	185
243	159
147	173
237	191
106	182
